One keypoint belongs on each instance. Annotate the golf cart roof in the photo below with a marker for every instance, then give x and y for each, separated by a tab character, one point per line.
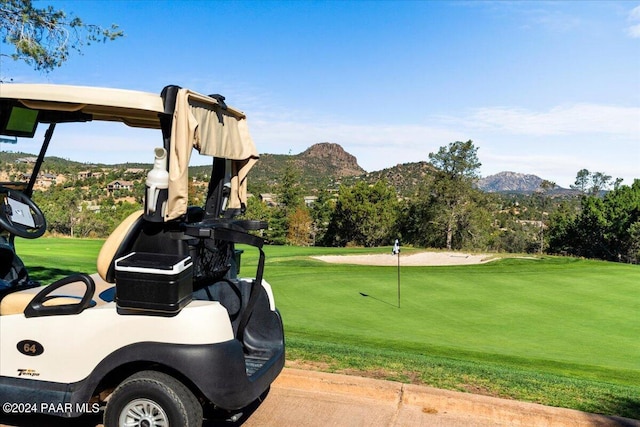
135	108
188	120
138	109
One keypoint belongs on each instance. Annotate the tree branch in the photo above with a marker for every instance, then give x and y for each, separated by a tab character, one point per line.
43	37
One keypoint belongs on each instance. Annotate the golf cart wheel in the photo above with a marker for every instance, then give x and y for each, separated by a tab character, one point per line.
152	399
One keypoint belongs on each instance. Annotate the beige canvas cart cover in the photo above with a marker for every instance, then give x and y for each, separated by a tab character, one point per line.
200	122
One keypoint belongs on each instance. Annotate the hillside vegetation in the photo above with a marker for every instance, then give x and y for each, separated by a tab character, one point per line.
323	197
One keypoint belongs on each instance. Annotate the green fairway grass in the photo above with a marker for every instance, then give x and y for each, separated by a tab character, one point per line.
49	259
559	331
549	312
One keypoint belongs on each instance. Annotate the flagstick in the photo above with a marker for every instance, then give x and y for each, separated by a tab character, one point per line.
396	251
398	279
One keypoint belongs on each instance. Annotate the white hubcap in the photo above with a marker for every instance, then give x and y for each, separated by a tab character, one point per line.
143	413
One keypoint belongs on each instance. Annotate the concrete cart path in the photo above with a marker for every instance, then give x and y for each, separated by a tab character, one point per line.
304	398
308	398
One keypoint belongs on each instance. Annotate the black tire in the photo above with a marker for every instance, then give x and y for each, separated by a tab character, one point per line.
152	399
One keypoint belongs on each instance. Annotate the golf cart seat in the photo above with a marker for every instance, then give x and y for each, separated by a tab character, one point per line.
115	245
70	290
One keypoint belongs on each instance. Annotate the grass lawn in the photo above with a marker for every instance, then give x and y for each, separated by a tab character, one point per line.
551	312
49	259
557	331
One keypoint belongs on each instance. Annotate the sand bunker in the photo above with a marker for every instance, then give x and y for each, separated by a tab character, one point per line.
414	259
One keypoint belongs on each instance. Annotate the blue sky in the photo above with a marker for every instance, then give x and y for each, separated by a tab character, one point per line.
546	88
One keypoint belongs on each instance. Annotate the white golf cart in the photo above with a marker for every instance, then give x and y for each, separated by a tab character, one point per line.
165	329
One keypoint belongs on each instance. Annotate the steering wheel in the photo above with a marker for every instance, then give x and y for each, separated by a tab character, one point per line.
19	215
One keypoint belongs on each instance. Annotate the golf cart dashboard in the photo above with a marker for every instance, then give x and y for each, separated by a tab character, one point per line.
19	120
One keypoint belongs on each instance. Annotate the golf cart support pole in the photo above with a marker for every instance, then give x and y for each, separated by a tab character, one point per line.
168	95
43	151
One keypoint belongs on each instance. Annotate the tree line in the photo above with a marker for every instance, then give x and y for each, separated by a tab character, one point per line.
601	219
604	227
449	211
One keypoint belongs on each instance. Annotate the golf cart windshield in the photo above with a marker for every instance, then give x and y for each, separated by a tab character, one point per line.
187	119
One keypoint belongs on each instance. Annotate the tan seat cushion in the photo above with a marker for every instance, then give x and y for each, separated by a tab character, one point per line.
16	302
112	244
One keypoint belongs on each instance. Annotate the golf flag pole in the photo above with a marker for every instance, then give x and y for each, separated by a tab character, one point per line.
396	251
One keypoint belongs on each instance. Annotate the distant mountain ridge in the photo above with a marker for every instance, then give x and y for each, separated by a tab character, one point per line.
510	182
325	165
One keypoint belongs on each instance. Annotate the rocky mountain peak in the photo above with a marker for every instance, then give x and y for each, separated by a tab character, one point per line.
333	156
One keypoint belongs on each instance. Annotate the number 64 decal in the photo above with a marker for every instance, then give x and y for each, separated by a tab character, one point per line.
30	348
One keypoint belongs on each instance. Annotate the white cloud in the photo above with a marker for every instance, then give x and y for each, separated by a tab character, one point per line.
552	143
555	20
561	120
558	167
557	142
634	29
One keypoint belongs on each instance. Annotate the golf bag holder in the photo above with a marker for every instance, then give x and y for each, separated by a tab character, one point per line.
217	237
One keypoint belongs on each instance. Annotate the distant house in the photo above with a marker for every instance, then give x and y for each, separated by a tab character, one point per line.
135	170
119	185
310	200
90	207
85	174
30	160
268	198
271	199
42	180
